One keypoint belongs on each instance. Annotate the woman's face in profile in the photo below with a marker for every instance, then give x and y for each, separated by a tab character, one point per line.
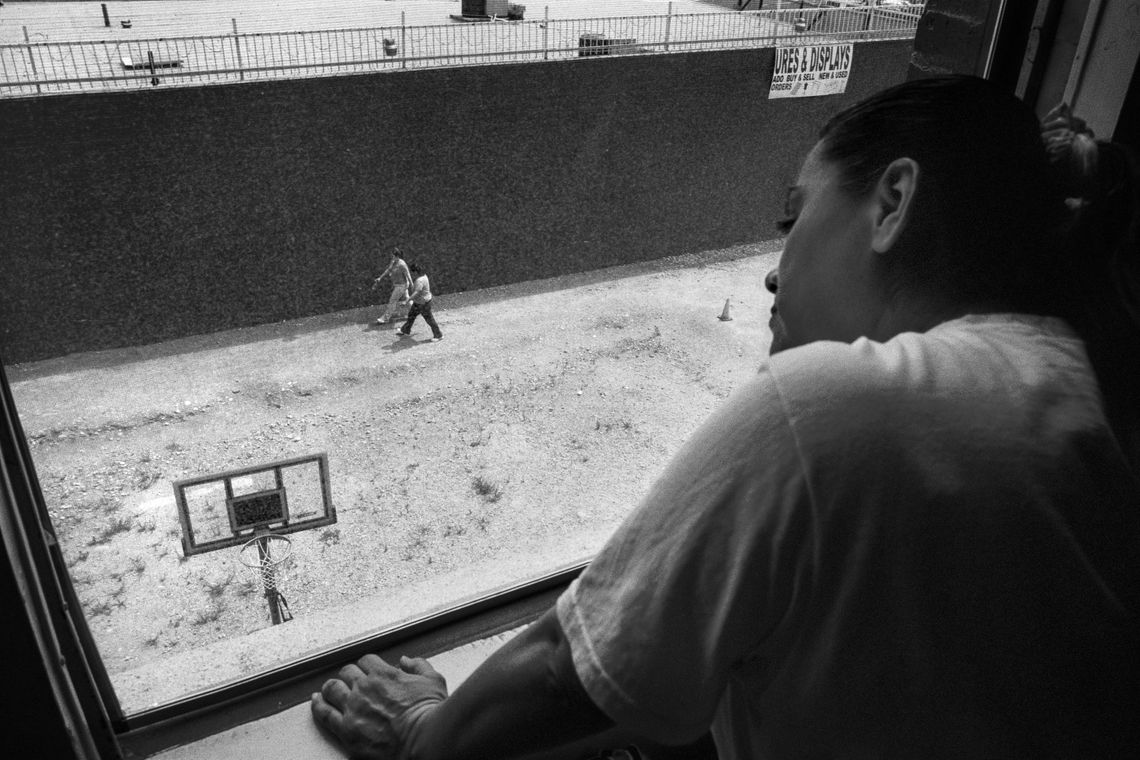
823	285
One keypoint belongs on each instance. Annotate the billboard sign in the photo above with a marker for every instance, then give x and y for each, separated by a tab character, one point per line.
803	71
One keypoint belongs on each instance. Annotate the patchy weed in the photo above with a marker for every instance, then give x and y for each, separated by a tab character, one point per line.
489	490
113	528
481	521
204	617
145	477
215	589
246	588
417	544
82	580
102	607
651	344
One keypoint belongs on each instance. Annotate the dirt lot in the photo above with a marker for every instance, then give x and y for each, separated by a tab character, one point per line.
509	449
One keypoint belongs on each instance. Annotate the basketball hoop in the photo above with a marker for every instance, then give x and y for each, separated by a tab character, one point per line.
252	509
269	557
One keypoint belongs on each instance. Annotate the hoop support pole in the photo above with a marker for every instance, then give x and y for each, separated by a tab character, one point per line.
268	579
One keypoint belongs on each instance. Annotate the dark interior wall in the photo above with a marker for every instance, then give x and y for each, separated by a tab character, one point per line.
129	218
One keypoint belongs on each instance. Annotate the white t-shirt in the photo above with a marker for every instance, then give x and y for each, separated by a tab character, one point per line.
401	275
922	548
421	290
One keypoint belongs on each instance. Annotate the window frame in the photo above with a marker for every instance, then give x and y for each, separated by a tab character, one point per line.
84	701
85	704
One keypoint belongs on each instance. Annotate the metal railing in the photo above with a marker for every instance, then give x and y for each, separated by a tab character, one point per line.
43	68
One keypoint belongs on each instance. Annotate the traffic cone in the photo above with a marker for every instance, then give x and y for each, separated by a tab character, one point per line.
724	315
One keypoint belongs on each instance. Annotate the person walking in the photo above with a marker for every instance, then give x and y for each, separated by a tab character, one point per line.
401	281
420	299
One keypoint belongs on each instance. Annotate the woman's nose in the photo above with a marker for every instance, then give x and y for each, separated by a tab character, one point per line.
771	281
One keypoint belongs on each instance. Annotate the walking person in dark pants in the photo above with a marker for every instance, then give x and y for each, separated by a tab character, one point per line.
420	299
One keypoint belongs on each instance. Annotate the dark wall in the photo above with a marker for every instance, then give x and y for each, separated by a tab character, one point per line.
129	218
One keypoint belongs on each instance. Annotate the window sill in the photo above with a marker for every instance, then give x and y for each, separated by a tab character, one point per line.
293	734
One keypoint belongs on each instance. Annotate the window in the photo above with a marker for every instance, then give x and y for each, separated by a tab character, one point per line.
503	454
193	351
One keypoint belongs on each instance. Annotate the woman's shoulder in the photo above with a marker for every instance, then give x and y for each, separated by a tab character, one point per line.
1003	356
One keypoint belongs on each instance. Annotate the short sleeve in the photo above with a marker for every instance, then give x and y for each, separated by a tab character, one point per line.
698	576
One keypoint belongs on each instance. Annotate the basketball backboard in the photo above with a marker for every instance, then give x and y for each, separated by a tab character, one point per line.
228	508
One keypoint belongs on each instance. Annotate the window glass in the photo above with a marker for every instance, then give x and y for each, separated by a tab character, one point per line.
399	475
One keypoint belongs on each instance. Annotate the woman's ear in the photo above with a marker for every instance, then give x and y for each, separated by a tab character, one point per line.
894	200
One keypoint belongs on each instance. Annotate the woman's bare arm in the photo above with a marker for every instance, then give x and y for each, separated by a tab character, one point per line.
525	697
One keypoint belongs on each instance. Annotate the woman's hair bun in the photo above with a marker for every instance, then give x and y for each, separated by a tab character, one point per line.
1072	150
